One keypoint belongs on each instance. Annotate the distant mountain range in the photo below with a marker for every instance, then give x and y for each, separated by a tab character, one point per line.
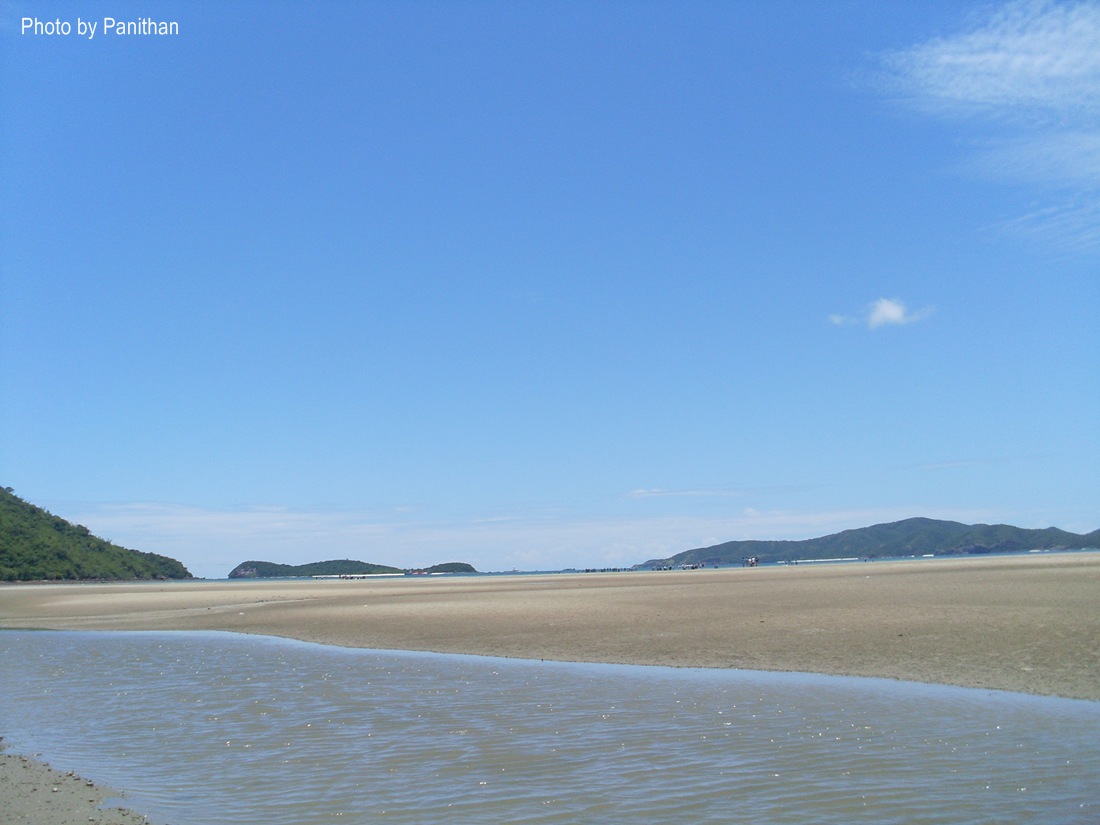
911	537
36	545
335	567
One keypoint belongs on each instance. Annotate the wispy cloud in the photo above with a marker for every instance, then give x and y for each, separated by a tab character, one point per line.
1024	58
966	463
883	312
658	493
943	465
1029	70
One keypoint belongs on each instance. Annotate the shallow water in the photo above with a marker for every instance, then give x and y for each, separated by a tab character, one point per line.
207	728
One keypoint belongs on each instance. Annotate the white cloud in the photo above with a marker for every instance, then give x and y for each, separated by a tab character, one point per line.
883	312
891	311
886	311
1031	71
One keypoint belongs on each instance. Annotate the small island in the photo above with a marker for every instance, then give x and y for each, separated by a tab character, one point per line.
336	568
446	567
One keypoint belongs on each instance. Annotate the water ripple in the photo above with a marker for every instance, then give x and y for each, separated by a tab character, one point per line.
216	728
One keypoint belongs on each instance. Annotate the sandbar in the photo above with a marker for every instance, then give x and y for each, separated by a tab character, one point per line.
1028	623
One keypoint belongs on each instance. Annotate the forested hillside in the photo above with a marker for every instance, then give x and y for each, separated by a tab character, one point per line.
37	545
910	537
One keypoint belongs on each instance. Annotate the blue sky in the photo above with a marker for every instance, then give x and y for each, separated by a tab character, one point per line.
541	285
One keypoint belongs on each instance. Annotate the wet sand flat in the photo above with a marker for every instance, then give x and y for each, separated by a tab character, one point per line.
32	793
1021	623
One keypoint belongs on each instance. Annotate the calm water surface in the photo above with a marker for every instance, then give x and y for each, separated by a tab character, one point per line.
208	728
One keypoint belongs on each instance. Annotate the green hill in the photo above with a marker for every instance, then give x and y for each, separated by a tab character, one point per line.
37	545
911	537
336	567
452	567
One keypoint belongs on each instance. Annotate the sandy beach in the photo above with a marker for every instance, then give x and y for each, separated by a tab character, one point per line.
1023	623
1027	623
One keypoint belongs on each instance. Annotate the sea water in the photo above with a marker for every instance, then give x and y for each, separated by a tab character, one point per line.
208	728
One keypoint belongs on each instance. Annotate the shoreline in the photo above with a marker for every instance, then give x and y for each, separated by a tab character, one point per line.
1026	624
34	793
